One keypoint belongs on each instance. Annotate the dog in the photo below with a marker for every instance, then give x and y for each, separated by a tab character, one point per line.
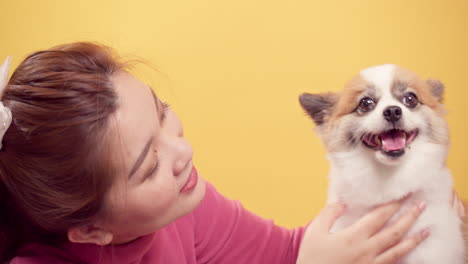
386	137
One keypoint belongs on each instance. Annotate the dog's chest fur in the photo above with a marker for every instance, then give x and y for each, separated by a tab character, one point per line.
362	183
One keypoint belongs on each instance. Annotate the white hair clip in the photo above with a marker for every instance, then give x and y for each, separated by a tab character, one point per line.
5	113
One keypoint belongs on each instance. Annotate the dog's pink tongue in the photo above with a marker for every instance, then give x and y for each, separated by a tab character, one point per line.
393	140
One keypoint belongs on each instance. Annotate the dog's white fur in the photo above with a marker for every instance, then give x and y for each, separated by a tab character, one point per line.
363	178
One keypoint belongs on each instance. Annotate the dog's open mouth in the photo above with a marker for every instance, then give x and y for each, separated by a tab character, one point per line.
392	142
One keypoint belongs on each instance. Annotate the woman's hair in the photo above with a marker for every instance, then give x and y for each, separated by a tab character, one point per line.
56	164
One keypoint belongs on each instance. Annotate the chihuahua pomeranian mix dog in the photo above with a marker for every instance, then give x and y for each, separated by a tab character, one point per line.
386	137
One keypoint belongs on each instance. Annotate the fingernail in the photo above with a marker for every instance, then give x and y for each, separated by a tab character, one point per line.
421	206
407	196
336	206
343	206
341	203
425	233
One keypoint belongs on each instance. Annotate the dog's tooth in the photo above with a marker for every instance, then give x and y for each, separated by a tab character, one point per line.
377	140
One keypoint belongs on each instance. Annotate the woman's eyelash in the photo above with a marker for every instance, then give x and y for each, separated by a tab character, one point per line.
154	171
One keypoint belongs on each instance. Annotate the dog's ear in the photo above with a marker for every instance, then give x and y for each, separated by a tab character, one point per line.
437	89
318	106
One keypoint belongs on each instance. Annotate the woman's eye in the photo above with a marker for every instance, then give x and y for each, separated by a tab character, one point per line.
154	171
410	100
366	104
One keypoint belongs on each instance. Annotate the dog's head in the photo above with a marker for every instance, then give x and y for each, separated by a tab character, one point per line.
384	110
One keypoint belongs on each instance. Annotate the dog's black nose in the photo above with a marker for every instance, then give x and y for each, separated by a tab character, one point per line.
392	113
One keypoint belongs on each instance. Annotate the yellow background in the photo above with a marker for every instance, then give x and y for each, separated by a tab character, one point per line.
233	71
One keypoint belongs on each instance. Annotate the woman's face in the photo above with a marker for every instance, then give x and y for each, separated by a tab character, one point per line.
158	182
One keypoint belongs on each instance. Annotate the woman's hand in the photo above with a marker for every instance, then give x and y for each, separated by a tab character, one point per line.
365	242
457	204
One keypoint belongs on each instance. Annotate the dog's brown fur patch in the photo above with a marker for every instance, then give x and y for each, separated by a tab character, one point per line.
349	96
422	88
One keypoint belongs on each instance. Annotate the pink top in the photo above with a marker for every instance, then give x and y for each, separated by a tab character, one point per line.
218	231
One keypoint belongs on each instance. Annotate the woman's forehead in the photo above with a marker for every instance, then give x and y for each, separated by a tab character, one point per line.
136	118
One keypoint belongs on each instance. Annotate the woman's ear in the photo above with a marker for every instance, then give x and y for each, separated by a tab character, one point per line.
90	234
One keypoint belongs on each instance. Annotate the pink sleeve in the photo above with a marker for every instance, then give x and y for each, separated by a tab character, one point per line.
227	233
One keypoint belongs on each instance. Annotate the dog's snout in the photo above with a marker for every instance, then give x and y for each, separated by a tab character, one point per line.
392	113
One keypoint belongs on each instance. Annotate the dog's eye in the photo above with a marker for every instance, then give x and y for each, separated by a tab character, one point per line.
410	100
366	104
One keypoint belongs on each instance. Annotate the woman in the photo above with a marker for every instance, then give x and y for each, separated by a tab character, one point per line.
94	168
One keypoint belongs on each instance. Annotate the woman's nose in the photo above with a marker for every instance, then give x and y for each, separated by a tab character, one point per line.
183	154
178	147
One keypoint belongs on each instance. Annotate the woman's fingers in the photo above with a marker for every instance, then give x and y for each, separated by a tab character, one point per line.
392	234
461	209
365	241
457	204
395	253
327	217
376	219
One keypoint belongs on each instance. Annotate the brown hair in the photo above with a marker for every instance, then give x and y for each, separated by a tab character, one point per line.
55	164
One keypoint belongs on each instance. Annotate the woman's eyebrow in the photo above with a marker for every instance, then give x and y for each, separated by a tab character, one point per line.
141	158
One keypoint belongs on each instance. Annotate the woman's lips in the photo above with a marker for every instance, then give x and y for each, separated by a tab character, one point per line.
191	181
